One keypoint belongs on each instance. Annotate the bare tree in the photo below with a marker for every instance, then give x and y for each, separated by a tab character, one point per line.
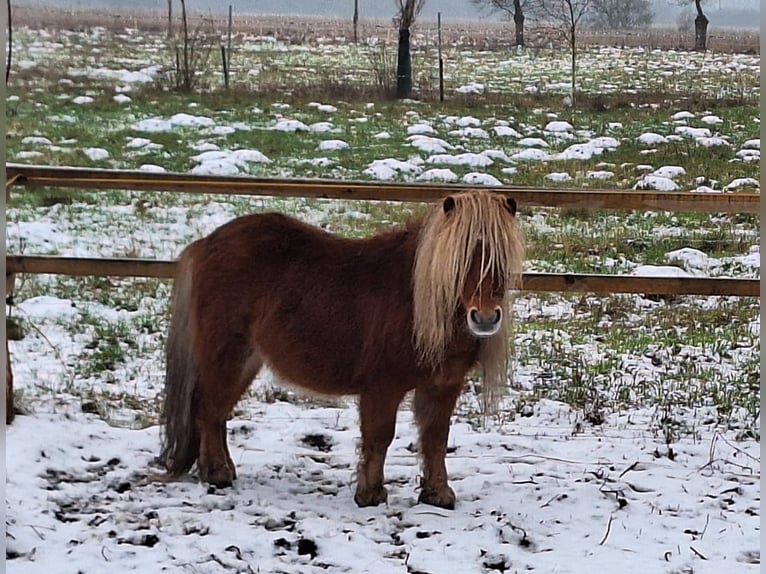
700	24
514	9
407	12
621	14
566	16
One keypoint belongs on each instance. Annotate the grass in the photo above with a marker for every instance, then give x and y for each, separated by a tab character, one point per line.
601	355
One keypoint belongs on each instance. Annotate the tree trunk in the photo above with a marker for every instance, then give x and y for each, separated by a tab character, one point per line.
700	29
404	65
573	47
356	21
10	46
518	20
170	18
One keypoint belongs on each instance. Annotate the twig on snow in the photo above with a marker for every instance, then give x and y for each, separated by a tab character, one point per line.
608	530
697	552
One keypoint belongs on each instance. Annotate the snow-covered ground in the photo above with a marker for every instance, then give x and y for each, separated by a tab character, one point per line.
540	493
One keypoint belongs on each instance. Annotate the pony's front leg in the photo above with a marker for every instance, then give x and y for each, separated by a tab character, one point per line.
433	409
377	415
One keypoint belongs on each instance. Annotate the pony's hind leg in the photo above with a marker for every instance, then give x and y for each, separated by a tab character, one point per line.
377	414
434	405
216	401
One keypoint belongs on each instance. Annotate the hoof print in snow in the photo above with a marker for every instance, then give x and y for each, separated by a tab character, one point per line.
122	487
318	441
307	546
148	540
498	562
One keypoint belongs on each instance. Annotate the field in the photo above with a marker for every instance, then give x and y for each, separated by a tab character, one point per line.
630	431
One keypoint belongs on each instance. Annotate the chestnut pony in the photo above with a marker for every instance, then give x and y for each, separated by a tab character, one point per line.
415	307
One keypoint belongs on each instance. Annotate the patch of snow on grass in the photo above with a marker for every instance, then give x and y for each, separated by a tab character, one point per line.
290	126
420	128
96	153
669	171
558	176
333	145
656	182
476	178
533	142
429	144
531	154
651	138
742	182
438	174
472	88
468	158
506	131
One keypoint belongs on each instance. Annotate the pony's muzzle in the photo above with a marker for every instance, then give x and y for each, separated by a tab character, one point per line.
484	324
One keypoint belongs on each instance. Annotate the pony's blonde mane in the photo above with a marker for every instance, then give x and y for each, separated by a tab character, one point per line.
446	247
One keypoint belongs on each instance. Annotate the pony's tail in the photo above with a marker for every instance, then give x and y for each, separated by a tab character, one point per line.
180	436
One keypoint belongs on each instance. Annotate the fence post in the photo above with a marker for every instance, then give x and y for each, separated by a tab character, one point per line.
441	60
9	412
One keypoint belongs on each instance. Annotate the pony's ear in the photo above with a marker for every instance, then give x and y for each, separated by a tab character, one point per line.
448	204
510	204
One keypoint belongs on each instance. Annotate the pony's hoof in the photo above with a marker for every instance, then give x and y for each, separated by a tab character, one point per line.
371	497
443	498
221	477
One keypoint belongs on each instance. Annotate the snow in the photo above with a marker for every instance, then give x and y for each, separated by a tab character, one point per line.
669	171
80	100
429	144
531	154
656	182
290	126
121	99
692	259
599	174
476	178
691	132
659	271
558	176
438	174
36	140
682	115
470	132
382	136
533	142
742	182
558	127
96	153
332	145
152	125
651	138
506	131
582	151
468	158
472	88
420	128
532	495
387	169
712	120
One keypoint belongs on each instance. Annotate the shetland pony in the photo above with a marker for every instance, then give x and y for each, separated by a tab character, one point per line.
416	307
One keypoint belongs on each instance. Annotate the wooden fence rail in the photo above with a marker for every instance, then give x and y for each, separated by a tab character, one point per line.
562	282
31	176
